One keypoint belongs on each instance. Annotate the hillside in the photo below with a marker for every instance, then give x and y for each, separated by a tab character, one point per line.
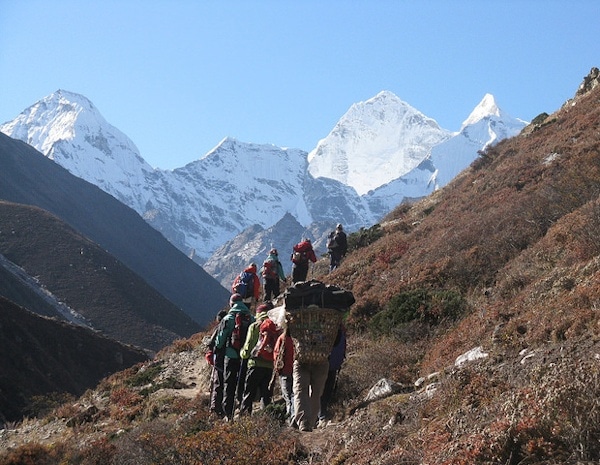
478	305
41	357
105	294
27	177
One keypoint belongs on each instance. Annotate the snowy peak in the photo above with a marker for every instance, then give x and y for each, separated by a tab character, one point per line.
67	128
53	118
488	109
488	124
375	142
66	117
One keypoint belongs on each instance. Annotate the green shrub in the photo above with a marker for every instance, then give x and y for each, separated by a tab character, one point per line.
422	305
364	237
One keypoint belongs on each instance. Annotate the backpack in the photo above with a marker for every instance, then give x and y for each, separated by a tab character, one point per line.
268	334
244	284
240	330
270	269
300	254
332	243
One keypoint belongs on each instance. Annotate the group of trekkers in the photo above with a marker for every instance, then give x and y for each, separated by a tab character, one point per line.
249	350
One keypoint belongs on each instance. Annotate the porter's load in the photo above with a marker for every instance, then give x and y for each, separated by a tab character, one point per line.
314	313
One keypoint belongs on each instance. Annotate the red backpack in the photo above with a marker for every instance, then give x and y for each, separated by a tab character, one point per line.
270	269
268	334
240	330
301	250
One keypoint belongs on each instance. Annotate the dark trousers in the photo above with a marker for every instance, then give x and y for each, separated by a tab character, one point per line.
257	381
239	393
334	259
271	288
299	272
217	381
232	370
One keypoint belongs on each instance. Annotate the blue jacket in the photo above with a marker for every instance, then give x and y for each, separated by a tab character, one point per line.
338	353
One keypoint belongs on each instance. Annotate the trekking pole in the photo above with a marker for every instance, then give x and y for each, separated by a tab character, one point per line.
239	386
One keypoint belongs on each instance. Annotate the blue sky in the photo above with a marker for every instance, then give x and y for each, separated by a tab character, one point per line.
179	76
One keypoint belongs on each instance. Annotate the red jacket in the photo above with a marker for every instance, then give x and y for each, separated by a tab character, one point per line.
286	343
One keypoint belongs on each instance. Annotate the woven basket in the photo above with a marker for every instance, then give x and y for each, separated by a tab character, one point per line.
313	330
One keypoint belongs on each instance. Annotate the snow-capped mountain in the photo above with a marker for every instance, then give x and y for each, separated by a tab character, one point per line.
374	143
67	128
381	152
486	125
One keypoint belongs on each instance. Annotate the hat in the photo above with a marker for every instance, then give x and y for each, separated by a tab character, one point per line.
264	307
339	226
273	252
235	298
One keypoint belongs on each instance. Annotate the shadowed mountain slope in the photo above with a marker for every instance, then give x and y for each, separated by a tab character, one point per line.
39	356
30	178
96	288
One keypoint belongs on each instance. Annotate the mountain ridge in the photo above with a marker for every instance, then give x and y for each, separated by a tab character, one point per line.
30	178
209	201
172	201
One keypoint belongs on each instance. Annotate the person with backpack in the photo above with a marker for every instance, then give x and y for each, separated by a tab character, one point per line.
231	337
283	366
337	246
302	255
336	359
272	272
216	358
247	285
258	350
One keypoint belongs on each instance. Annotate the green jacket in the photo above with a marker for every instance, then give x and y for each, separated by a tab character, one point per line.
227	325
251	340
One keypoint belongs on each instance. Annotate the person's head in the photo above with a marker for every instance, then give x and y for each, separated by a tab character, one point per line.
339	227
263	308
252	267
273	252
234	299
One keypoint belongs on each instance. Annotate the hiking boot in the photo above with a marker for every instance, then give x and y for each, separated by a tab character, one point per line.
305	428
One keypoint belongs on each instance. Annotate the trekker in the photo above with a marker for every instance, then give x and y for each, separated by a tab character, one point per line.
308	381
337	246
247	285
272	272
231	337
216	358
258	350
302	255
283	364
336	359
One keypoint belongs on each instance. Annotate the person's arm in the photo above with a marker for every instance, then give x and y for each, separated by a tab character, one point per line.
280	271
251	340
